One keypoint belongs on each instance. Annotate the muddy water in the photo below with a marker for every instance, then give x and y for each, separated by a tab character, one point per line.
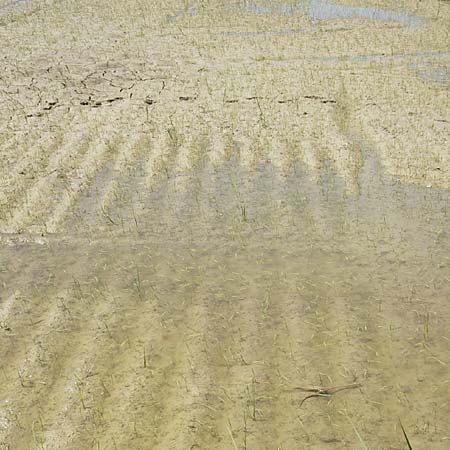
191	291
273	279
213	199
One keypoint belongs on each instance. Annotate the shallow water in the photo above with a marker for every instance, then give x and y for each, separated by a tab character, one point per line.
381	56
181	13
261	33
316	9
429	72
11	5
228	274
322	10
195	284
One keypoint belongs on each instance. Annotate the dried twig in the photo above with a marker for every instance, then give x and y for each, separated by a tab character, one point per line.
325	391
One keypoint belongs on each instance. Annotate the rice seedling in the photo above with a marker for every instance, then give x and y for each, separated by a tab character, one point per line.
405	436
230	432
360	439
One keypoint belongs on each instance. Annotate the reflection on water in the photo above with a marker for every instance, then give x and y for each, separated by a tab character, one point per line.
323	10
12	5
181	13
429	72
316	9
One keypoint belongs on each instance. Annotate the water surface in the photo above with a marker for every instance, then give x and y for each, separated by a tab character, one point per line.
323	10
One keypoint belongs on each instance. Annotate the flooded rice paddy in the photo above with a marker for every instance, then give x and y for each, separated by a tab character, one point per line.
227	230
322	10
315	9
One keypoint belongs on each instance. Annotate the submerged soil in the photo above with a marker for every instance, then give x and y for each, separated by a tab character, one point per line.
208	209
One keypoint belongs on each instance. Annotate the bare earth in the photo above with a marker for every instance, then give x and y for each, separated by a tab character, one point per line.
210	211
